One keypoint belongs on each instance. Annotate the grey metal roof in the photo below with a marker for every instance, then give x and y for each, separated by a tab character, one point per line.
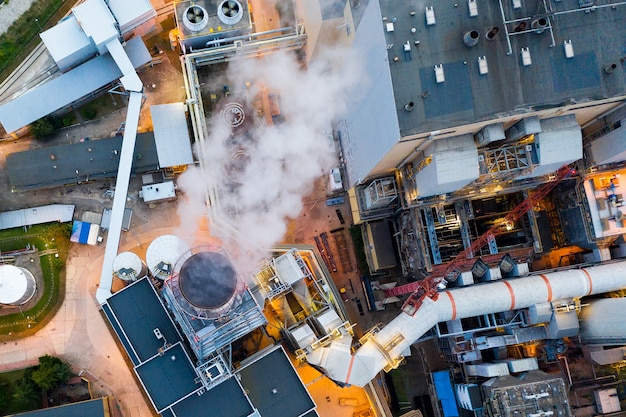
36	215
274	386
171	134
94	159
224	400
371	126
467	96
168	378
137	311
69	87
91	408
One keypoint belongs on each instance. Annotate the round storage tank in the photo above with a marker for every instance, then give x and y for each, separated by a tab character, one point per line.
208	284
17	285
127	266
163	253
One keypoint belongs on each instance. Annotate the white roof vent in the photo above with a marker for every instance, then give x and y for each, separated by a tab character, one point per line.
482	65
525	53
568	49
517	4
430	15
195	18
230	12
439	76
473	8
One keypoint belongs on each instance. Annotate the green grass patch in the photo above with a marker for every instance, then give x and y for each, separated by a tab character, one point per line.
21	37
53	237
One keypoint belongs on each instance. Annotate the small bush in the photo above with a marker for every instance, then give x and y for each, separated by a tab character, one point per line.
89	112
42	128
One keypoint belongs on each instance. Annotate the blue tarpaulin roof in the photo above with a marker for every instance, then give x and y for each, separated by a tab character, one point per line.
443	385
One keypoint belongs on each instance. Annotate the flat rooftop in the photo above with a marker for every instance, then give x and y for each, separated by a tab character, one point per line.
509	87
134	313
274	386
73	163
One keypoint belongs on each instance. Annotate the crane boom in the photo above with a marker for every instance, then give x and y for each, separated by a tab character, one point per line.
430	286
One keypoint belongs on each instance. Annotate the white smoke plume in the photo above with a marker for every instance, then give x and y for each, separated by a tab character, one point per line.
282	160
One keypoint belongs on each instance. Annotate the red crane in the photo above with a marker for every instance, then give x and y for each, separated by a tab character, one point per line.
430	286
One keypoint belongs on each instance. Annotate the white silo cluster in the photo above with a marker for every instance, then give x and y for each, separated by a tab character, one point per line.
162	255
127	266
17	285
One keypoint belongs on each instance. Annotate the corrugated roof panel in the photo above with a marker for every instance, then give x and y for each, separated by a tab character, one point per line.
171	135
37	215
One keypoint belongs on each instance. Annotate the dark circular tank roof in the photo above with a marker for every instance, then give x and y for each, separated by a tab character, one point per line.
207	280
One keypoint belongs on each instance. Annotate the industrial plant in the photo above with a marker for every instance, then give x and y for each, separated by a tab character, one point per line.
482	156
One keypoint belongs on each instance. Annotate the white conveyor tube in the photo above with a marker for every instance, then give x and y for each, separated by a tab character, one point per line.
503	295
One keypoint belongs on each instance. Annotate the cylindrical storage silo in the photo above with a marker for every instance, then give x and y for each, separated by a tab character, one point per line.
127	266
206	283
17	285
162	255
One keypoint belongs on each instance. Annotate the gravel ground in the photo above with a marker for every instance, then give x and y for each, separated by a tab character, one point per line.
9	12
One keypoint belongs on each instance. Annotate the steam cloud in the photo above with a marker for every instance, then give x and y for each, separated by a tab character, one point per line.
282	161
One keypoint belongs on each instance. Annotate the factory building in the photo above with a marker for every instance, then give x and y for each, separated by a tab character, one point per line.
184	335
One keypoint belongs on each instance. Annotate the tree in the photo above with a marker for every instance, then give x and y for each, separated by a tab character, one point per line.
25	393
4	394
50	372
42	128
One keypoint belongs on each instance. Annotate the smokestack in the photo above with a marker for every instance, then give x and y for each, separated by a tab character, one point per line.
491	35
610	68
409	106
519	28
539	25
471	38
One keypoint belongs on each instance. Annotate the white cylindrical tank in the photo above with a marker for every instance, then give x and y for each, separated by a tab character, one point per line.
17	285
127	266
458	303
163	253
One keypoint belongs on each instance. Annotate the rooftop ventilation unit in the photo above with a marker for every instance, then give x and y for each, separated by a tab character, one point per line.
230	12
517	4
430	16
525	54
439	76
483	69
195	18
568	49
472	7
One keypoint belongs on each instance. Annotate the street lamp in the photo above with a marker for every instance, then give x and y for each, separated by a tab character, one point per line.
38	24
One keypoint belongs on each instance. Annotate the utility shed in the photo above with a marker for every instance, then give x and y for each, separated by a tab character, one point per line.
171	135
164	191
448	165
